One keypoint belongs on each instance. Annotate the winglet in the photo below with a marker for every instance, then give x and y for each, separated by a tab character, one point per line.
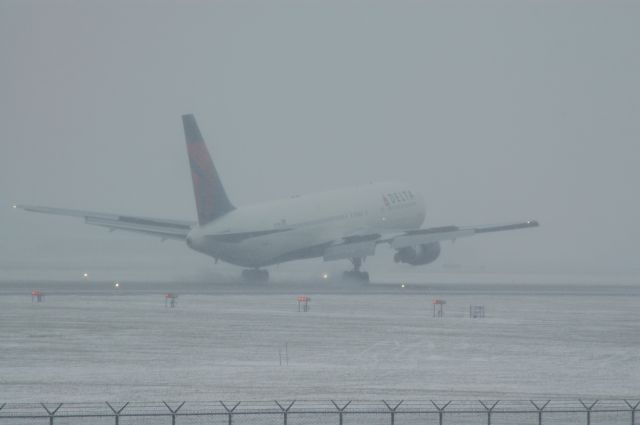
211	198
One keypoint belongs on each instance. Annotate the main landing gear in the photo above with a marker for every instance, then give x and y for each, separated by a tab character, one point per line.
356	275
255	275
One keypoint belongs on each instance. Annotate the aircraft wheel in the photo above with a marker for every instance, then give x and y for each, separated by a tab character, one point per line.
355	276
264	275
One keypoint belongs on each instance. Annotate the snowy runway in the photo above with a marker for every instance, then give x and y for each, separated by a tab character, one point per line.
385	344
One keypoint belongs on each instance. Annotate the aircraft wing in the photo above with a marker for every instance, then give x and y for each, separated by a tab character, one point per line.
163	228
365	245
437	234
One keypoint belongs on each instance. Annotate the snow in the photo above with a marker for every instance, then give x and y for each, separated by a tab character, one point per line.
573	341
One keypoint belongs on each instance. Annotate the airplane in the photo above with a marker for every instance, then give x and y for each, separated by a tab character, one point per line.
342	224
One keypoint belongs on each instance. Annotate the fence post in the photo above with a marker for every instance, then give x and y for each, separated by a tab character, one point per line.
588	409
633	408
393	410
285	411
440	410
340	410
116	412
230	410
539	409
489	410
51	413
173	411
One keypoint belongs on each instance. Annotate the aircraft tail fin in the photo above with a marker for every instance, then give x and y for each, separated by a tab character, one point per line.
211	198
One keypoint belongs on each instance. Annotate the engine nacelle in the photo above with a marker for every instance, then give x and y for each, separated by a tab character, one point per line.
419	255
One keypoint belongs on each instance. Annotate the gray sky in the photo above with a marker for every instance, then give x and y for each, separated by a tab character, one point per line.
496	110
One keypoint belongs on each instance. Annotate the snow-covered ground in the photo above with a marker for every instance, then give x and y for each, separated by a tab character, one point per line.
368	345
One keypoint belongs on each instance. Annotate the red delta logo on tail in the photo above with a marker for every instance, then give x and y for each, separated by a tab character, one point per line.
211	198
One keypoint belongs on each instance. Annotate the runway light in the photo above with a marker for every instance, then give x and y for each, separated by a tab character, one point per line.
14	206
85	275
116	285
402	286
325	275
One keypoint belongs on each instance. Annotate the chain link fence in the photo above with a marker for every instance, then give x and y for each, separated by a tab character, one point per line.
332	412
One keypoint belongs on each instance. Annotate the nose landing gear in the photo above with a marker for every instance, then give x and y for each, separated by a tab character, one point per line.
255	275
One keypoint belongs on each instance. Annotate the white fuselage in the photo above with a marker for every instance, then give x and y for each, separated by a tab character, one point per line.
303	226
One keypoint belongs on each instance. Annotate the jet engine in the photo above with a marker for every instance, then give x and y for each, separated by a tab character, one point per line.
418	255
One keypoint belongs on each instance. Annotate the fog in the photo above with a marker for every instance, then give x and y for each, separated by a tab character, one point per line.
497	111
